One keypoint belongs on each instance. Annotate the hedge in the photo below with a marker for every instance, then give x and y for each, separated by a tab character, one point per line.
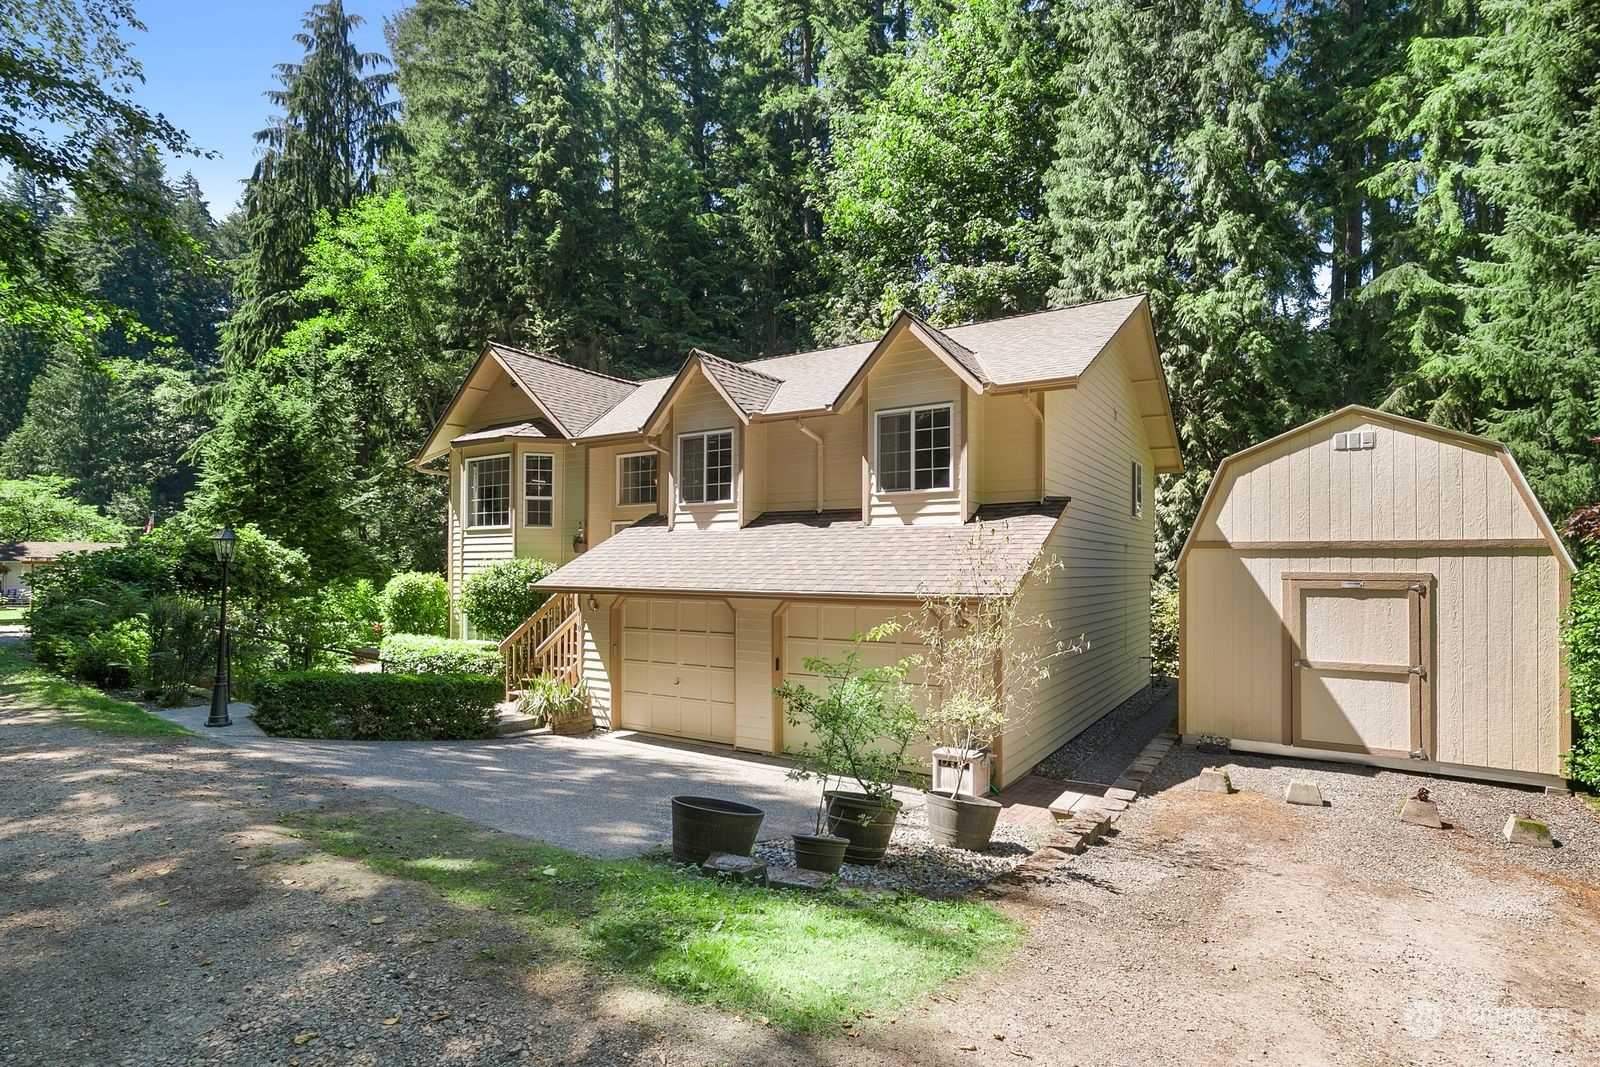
422	654
378	707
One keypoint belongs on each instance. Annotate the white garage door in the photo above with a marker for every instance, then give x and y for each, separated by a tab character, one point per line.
826	631
677	668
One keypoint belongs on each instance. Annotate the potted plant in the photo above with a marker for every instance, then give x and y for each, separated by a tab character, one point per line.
861	725
980	667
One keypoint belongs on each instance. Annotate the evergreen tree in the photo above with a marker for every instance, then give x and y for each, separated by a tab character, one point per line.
935	199
321	153
1167	180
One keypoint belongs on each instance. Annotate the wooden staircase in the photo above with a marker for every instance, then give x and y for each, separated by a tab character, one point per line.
549	643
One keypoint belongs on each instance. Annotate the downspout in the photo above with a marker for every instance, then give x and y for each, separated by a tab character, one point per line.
800	424
1034	406
663	483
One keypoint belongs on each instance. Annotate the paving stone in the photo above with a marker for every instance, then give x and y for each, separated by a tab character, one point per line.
1111	803
1303	792
1068	841
738	868
795	878
1526	830
1214	780
1421	813
1137	775
1123	790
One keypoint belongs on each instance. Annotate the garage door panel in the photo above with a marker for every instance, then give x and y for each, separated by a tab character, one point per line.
677	676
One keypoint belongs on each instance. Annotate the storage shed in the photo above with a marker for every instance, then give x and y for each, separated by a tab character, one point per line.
1373	589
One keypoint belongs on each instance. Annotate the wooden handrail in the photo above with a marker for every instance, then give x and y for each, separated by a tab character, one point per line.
549	643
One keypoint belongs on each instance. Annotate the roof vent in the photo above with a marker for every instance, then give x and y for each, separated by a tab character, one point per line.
1355	441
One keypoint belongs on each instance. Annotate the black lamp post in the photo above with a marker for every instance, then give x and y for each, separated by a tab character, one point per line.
223	542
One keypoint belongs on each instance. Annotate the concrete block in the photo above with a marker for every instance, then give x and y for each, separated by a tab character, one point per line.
1212	745
738	868
1214	780
1526	830
1111	803
1421	813
1303	792
1136	774
1123	790
1067	841
795	878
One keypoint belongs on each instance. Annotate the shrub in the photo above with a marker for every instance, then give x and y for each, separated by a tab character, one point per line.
378	707
499	598
1164	630
262	572
88	594
416	602
1582	640
183	646
352	609
112	658
420	654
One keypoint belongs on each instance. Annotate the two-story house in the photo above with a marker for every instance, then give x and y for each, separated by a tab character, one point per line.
716	527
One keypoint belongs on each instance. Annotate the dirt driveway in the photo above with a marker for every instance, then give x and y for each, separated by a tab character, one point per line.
153	910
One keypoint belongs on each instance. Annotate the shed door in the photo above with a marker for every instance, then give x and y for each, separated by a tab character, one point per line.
677	668
1359	665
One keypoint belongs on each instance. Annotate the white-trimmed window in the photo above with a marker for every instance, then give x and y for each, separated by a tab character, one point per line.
705	467
489	491
914	449
538	489
636	478
1137	487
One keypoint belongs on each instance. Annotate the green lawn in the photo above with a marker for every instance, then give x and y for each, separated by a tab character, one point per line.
12	615
806	963
24	684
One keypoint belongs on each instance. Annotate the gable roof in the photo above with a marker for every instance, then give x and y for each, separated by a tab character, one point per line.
532	428
1547	529
47	551
1045	349
831	554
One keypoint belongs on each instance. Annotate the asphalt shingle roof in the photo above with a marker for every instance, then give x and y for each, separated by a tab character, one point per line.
824	555
534	428
46	551
751	389
575	396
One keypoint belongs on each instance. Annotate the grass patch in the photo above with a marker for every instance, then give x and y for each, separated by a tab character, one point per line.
25	684
806	963
12	615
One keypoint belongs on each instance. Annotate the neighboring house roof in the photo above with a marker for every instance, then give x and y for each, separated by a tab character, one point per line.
533	428
832	554
1547	529
574	397
1047	347
47	551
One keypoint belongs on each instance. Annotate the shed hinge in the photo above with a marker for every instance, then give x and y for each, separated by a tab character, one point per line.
1297	663
1419	670
1418	753
1420	588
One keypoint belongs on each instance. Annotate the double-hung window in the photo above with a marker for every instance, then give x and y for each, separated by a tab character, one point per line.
538	489
489	491
705	467
914	449
636	478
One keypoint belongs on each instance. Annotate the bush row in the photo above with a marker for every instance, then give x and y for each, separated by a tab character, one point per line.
421	654
378	707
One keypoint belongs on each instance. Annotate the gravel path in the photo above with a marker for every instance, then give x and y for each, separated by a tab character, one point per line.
1102	752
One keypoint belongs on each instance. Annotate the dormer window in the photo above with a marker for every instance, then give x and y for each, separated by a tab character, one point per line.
705	467
914	449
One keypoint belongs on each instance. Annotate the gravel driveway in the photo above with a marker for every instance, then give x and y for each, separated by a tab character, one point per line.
154	910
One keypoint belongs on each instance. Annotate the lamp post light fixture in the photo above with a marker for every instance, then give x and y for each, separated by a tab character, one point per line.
223	543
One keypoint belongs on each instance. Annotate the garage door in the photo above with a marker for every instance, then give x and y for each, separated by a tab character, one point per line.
677	668
826	631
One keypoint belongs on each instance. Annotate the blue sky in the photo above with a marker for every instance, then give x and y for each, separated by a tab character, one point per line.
206	65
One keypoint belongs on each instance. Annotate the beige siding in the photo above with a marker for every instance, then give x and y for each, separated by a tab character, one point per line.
603	509
502	401
791	463
750	465
597	656
1100	598
699	407
473	549
909	375
1410	487
1496	675
1007	449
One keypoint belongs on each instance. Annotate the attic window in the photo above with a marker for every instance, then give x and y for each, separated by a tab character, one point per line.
1355	441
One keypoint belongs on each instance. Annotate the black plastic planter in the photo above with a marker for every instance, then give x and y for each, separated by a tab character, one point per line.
703	825
867	821
819	852
962	821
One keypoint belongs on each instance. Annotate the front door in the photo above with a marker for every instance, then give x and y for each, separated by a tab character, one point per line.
1360	663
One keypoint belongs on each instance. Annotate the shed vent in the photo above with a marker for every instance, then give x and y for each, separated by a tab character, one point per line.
1355	441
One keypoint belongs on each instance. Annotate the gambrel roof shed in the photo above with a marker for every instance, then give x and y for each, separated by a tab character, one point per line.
1369	587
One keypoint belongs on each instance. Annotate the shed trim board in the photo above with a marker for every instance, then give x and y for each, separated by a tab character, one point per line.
1447	510
1470	772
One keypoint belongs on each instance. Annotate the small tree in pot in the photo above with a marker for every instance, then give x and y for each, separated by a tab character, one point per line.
984	655
861	725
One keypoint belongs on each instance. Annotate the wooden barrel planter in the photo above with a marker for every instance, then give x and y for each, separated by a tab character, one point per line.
867	821
961	821
703	825
820	852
